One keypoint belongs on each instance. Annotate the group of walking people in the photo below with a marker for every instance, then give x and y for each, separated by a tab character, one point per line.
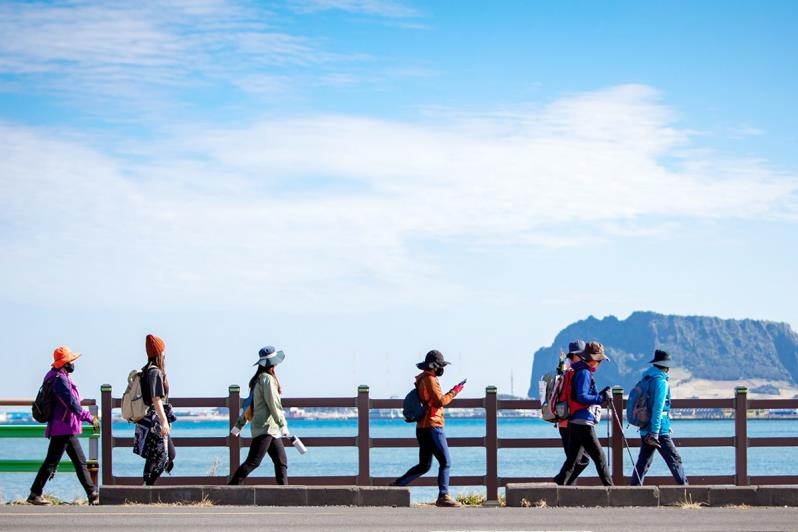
578	433
68	415
264	411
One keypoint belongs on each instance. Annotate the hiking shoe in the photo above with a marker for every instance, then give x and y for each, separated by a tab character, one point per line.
445	501
38	500
94	498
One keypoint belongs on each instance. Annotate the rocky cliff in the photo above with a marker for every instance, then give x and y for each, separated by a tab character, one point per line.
704	347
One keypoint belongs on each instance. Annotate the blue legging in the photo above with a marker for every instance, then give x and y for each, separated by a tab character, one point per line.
431	442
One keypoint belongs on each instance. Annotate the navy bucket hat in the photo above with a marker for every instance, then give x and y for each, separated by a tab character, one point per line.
267	356
577	347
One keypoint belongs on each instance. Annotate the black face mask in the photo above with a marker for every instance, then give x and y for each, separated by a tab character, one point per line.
69	367
439	372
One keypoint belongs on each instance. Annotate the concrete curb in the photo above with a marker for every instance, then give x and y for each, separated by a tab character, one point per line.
550	494
257	495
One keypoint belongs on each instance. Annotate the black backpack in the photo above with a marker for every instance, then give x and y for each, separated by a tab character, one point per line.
413	408
42	407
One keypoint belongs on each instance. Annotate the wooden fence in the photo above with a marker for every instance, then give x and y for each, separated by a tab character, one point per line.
739	405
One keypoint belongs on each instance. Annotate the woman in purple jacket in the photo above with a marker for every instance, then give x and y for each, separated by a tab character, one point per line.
63	428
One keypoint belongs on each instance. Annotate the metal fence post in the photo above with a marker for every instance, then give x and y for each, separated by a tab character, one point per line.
106	435
491	446
741	435
233	442
616	435
363	438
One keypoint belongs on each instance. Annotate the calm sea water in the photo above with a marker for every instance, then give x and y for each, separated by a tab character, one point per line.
393	462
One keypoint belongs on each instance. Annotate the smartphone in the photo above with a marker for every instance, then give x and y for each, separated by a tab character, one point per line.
462	382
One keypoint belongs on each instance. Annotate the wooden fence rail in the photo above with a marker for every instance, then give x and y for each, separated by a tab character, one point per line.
491	442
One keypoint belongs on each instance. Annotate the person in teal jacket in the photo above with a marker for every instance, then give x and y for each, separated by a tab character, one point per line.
657	434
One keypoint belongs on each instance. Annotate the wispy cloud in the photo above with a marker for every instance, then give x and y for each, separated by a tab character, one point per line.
382	8
99	48
338	208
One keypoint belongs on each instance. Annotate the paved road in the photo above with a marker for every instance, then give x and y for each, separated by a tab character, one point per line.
237	518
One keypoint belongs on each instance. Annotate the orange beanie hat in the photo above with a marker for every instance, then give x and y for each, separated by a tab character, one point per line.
154	346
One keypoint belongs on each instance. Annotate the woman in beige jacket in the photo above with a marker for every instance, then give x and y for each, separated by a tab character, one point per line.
267	418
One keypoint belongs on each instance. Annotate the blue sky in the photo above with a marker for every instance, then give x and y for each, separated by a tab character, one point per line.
357	182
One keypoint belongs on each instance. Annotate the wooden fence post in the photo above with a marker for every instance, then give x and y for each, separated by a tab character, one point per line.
106	428
363	438
491	446
741	435
233	442
616	435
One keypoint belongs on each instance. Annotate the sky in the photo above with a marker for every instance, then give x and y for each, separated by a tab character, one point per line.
357	182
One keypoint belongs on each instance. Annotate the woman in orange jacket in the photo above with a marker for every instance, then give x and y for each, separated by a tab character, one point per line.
429	429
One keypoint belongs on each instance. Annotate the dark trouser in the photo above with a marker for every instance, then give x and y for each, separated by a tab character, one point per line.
59	444
431	442
582	460
151	472
257	450
583	438
669	453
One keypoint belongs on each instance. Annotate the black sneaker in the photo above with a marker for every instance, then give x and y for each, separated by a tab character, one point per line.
38	500
94	498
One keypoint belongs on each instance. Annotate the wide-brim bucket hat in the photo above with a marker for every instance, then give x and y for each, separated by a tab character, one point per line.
63	355
268	356
662	358
433	360
594	351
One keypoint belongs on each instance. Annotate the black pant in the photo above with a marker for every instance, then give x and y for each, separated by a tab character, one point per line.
257	450
59	444
152	473
582	460
583	437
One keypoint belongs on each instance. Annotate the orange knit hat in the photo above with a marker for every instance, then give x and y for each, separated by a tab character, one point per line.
63	355
154	346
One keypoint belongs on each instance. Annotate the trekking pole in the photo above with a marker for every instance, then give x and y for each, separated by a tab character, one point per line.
609	445
625	443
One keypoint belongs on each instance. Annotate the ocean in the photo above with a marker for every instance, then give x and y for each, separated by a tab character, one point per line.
393	462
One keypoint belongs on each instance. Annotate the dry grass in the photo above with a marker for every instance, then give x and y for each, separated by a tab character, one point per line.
214	468
470	499
55	501
204	503
690	505
540	503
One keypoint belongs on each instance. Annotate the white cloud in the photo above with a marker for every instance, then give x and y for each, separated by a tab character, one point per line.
348	210
383	8
102	48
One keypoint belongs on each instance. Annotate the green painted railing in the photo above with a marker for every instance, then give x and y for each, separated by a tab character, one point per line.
31	465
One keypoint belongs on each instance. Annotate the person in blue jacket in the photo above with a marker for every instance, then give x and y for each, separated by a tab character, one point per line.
657	434
585	403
